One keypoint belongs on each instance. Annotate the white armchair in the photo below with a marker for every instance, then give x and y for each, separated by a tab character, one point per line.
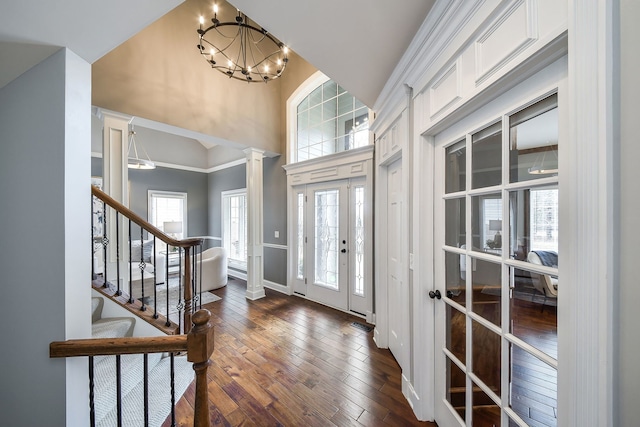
545	284
214	268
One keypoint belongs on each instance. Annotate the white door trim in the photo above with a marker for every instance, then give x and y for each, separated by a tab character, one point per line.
588	210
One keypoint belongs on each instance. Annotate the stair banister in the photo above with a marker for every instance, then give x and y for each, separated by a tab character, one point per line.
198	344
186	244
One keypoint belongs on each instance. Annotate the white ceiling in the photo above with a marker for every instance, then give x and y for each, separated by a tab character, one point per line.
355	42
31	30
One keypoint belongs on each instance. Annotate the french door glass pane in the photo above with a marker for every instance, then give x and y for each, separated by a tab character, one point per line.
455	218
533	388
456	167
300	237
486	286
456	392
456	336
534	316
486	157
485	410
359	241
455	276
486	356
533	140
486	223
534	218
326	238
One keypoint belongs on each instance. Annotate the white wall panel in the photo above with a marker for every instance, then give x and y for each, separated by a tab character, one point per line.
512	32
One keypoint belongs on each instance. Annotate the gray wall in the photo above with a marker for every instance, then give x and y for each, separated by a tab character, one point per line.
275	219
223	180
627	371
275	200
45	122
275	211
167	179
204	194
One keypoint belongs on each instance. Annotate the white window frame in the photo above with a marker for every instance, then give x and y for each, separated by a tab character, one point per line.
309	85
226	195
170	195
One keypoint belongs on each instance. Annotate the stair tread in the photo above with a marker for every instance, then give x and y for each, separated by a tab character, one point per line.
131	370
113	327
159	396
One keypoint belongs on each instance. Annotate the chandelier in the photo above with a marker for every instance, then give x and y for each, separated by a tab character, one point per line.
241	49
134	160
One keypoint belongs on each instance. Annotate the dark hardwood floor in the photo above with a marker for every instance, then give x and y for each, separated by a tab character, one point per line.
285	361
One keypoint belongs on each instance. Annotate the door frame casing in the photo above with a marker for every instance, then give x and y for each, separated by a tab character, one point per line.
356	163
549	80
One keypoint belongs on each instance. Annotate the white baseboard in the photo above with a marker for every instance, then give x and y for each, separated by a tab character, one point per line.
412	397
377	338
237	274
277	287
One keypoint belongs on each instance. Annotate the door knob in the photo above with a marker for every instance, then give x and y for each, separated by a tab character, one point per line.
435	294
344	251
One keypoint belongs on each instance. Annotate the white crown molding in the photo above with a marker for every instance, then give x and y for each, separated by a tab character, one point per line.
190	168
446	19
208	141
226	165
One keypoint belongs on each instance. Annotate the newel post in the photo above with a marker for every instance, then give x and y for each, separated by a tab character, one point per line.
199	349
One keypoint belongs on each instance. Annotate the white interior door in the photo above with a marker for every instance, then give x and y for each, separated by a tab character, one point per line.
396	288
495	302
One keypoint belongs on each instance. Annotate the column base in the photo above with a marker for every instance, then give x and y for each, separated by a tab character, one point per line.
255	294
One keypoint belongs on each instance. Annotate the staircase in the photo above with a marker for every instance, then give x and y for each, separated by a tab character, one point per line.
159	383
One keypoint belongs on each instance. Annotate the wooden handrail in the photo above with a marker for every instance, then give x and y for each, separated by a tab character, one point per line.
119	207
198	344
113	346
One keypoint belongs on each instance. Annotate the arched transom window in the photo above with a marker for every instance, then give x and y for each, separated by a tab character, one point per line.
330	120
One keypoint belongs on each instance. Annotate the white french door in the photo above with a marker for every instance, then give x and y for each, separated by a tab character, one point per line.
496	271
330	244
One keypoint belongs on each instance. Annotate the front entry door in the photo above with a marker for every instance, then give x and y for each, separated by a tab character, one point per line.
331	242
328	252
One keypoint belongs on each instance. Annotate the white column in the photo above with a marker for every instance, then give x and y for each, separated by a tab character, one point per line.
115	134
255	217
115	137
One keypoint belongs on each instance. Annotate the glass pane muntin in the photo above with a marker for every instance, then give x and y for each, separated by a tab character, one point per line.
499	184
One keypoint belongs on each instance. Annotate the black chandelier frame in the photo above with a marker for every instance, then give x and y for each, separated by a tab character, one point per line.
243	55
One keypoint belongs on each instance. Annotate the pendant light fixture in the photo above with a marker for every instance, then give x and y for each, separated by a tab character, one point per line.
133	158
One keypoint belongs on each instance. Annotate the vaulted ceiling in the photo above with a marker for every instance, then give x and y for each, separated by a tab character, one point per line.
146	63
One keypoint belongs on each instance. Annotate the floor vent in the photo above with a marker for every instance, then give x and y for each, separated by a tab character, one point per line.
362	326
